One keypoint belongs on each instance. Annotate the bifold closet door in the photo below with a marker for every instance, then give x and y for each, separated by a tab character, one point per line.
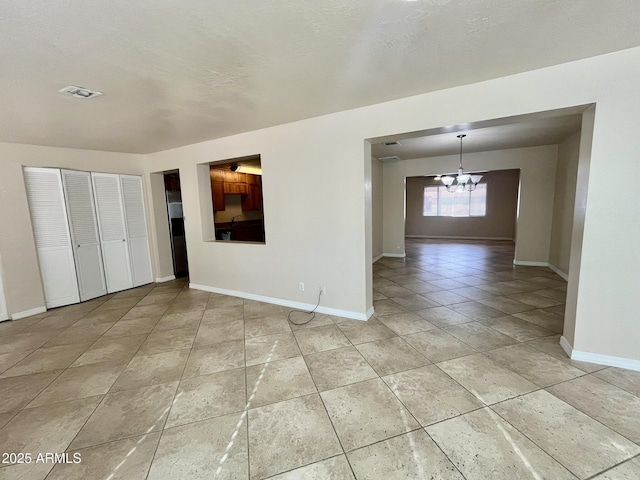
136	229
111	226
51	232
85	238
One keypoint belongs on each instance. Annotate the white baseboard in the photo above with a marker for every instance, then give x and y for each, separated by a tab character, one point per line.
370	313
285	303
566	346
394	255
28	313
165	279
599	359
524	263
375	259
454	237
559	272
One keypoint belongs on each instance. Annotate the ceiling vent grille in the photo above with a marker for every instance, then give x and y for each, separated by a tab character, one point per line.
389	159
80	92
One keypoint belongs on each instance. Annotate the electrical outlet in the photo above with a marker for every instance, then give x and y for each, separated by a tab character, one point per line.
323	290
301	286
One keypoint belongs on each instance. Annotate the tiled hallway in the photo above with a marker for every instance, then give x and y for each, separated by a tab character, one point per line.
459	375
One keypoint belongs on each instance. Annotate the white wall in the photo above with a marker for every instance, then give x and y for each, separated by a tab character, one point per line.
537	179
315	215
376	207
22	283
564	199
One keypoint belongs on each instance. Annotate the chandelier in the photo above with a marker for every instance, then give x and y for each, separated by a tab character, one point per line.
463	181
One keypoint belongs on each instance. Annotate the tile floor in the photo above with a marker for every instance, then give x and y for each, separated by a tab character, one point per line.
458	376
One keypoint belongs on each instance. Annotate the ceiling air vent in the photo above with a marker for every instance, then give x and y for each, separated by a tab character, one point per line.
389	159
390	144
80	92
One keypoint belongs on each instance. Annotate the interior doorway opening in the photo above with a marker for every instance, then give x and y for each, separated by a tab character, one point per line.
173	195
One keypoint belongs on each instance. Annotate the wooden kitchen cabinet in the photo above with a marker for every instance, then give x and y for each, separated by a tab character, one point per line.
236	188
217	196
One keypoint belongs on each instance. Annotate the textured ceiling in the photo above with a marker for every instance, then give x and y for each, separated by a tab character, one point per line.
175	73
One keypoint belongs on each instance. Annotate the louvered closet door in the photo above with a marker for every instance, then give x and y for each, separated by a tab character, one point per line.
111	225
51	233
85	238
136	229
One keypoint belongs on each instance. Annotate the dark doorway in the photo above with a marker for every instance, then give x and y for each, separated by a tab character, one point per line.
173	195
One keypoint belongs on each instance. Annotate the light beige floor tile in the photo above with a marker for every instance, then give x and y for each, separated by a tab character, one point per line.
405	323
534	365
5	417
8	328
392	289
476	311
480	337
118	303
438	345
80	382
387	307
46	359
17	392
208	396
431	395
277	381
168	340
253	309
334	467
505	304
416	301
134	326
581	444
270	348
144	370
200	451
472	293
270	325
358	331
365	413
31	471
80	334
319	339
443	316
486	379
111	350
223	301
610	405
335	368
628	380
483	446
550	321
421	287
444	297
215	358
391	355
629	470
210	334
127	459
223	314
127	413
7	360
25	341
517	328
410	456
180	320
157	299
535	300
46	429
145	311
319	320
551	346
288	435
